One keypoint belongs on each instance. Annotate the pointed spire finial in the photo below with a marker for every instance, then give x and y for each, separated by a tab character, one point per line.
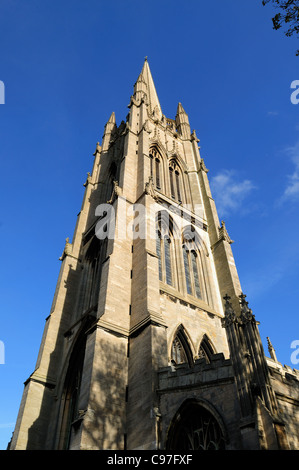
112	117
180	108
145	58
271	350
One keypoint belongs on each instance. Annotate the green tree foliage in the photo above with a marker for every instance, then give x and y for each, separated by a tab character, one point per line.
287	16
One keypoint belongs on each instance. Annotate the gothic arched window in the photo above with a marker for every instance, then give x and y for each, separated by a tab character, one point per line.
89	289
192	265
205	350
156	167
196	267
72	387
165	249
195	428
112	175
176	182
180	350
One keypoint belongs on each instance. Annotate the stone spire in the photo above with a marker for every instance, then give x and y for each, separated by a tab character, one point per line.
145	81
110	127
182	122
111	121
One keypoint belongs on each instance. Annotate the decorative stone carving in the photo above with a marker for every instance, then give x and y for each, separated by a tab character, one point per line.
203	166
229	314
146	127
156	114
150	188
194	136
88	179
246	313
117	191
144	99
98	149
132	101
68	249
223	234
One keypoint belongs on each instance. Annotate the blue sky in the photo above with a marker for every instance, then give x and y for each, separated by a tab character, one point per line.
66	65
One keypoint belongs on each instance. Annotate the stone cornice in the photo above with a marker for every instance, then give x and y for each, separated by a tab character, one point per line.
41	379
152	318
187	300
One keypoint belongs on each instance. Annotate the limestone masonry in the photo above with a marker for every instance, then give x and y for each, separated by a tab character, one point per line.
150	342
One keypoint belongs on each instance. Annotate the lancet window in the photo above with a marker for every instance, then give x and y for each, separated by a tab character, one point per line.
112	175
164	246
180	349
176	182
205	350
178	354
165	249
72	386
89	288
192	266
156	167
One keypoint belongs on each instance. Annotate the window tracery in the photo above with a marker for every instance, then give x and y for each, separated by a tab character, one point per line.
205	350
196	429
180	350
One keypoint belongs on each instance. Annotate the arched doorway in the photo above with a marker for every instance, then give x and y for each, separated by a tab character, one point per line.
195	427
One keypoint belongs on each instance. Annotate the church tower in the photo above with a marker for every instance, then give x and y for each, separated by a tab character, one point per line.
138	341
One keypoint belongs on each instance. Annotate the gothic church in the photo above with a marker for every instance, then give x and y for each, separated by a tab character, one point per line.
150	342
